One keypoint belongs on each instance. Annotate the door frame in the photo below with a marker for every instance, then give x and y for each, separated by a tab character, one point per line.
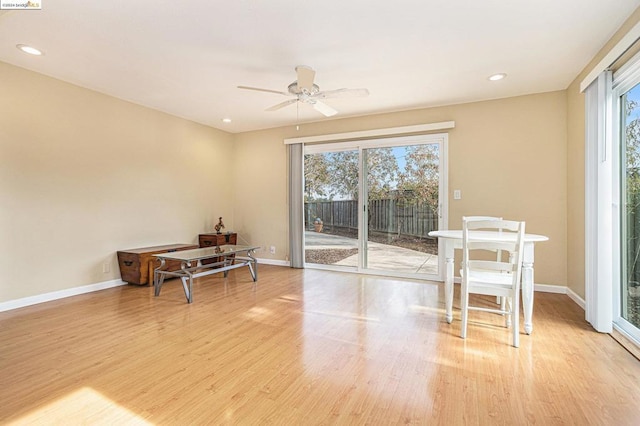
623	80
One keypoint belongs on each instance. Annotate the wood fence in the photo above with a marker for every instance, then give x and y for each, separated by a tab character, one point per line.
386	215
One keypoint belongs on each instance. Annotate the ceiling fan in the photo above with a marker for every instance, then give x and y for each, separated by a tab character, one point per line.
306	91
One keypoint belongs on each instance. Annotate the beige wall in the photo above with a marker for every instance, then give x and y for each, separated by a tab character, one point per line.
83	175
508	157
575	163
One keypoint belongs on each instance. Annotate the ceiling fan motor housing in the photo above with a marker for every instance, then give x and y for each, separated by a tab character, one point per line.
294	90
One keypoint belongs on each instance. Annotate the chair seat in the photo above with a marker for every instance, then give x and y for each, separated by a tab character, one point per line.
490	283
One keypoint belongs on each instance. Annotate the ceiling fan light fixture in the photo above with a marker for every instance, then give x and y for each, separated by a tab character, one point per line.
30	50
496	77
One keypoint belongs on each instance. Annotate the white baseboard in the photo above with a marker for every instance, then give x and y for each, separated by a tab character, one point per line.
579	300
273	262
549	288
61	294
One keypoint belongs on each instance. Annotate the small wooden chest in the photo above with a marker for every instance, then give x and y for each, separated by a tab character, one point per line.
137	265
213	239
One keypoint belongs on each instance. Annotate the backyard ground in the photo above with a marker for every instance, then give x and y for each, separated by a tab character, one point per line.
331	256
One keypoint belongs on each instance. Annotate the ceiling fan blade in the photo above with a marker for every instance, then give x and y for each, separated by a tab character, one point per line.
282	105
342	93
305	77
257	89
324	109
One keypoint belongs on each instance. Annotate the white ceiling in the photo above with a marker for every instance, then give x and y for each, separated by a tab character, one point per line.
186	58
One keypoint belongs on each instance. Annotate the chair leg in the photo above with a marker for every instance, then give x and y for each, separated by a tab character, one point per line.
465	313
507	305
515	312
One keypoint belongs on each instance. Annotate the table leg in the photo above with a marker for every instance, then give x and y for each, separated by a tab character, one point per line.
527	288
158	279
158	285
448	281
527	296
188	289
187	285
253	266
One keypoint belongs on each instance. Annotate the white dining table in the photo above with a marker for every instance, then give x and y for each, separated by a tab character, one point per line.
453	240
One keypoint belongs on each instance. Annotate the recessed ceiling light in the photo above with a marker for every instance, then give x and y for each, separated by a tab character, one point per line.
497	77
30	50
226	120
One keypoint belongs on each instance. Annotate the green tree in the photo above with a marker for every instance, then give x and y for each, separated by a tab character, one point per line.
420	179
632	157
334	175
382	172
316	176
343	175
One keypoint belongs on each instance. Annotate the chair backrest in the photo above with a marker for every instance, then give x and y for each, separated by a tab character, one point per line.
503	235
470	218
484	218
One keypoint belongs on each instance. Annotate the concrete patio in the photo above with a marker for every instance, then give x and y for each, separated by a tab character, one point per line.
380	256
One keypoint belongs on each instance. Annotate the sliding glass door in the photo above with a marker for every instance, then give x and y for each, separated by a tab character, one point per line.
369	205
402	196
626	195
629	287
331	184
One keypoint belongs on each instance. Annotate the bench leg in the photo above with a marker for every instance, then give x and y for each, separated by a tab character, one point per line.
188	288
253	266
158	281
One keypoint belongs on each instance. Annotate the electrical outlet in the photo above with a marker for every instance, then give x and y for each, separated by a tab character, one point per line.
106	267
272	249
457	194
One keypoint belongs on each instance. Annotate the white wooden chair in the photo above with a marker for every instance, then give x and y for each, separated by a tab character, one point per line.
492	277
499	300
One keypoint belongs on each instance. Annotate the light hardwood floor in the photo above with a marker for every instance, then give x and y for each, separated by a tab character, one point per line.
305	347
